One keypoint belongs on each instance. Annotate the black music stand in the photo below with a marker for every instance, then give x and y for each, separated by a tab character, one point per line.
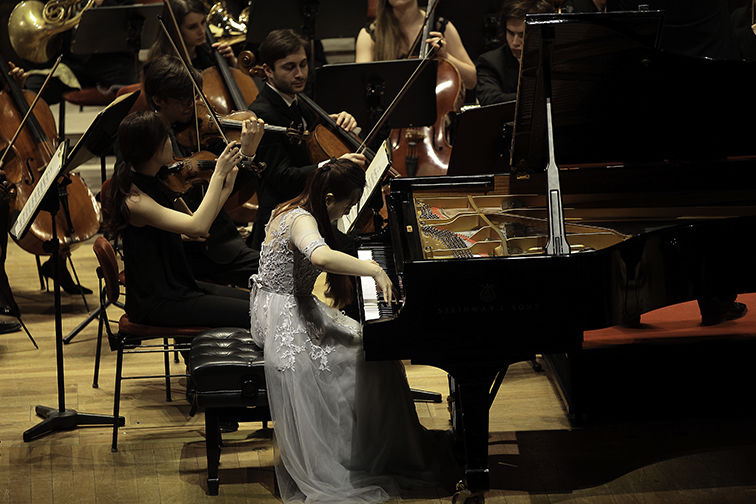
365	90
97	141
120	28
481	137
316	20
50	195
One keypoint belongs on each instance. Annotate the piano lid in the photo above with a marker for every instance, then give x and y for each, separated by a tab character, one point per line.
617	99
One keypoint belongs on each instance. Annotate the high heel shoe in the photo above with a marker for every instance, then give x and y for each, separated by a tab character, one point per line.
64	279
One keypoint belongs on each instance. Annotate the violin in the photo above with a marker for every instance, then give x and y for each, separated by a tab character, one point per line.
202	132
33	148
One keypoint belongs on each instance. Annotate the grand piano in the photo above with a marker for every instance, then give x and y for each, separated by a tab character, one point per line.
655	166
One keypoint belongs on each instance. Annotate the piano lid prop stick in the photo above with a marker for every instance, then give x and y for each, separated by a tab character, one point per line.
557	244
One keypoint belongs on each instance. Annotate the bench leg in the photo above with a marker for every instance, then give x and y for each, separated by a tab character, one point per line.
212	443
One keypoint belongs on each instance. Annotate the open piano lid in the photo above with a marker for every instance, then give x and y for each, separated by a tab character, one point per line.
617	99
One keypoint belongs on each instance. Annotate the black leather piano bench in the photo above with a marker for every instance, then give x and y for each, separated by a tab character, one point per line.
227	380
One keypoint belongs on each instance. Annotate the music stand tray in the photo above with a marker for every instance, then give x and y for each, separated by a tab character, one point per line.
373	176
365	90
481	140
101	134
120	28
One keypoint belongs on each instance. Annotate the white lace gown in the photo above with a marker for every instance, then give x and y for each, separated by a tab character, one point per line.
346	430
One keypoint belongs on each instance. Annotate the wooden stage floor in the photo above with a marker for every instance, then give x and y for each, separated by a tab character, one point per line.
535	456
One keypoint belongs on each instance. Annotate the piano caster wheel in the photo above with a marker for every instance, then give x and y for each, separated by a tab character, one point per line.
465	496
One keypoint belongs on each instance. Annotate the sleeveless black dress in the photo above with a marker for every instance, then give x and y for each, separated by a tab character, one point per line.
160	287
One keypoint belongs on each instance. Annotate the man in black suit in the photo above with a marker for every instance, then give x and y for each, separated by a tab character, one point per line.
498	70
288	164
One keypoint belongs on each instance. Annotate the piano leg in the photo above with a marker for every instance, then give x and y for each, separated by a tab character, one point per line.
472	387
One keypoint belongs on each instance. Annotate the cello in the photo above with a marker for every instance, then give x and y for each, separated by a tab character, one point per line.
26	157
425	151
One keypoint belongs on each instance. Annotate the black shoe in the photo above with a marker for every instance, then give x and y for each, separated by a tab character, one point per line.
9	326
731	311
66	282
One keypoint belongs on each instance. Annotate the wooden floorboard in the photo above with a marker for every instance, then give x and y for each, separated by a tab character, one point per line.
535	455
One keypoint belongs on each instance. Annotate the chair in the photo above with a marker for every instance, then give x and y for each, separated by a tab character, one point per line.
130	336
140	105
106	298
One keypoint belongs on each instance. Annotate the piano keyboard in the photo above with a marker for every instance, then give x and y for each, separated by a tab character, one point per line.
373	305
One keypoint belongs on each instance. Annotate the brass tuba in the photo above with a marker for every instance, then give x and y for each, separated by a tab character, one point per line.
33	26
224	27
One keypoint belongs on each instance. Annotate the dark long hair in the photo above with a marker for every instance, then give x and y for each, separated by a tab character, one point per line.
180	8
140	136
341	178
388	36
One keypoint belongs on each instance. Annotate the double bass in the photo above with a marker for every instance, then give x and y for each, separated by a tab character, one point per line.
425	151
27	158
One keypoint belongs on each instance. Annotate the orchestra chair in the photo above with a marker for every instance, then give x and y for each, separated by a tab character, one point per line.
101	249
130	336
140	105
227	381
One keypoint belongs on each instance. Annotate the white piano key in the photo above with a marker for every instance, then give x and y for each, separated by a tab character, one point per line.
369	290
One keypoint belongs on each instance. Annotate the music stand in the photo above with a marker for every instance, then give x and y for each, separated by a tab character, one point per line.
47	195
101	134
96	141
317	20
365	90
373	176
120	28
480	139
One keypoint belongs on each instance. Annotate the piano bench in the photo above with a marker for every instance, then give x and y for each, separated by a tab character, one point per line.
227	380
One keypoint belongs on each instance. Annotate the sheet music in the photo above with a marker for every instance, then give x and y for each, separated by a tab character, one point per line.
373	175
43	185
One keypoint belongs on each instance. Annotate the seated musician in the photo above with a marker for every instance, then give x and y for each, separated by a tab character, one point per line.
499	69
396	26
325	399
64	277
221	257
284	60
161	288
105	71
191	16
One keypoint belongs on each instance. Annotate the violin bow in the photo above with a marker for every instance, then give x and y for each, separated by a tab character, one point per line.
31	106
197	88
187	58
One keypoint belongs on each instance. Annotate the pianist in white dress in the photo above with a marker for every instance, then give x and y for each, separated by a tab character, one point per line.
346	430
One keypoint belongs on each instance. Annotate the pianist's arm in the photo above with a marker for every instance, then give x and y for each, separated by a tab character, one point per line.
304	231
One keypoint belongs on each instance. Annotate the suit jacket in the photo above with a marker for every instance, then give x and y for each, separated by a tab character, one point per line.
498	72
288	163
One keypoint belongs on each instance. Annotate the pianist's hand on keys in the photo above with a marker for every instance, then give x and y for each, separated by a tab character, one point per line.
380	282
